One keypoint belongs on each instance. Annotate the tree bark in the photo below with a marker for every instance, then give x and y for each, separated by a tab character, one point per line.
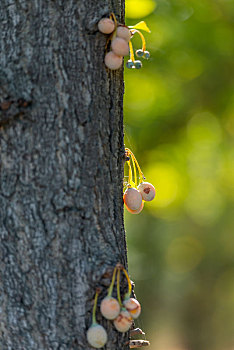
61	171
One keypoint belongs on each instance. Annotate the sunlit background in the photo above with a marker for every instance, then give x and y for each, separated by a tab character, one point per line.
179	122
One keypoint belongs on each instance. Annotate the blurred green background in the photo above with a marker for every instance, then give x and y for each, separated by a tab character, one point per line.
179	123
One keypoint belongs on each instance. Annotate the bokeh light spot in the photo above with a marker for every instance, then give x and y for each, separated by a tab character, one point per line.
227	173
184	254
188	65
165	179
224	288
139	8
204	203
204	128
149	96
141	94
206	11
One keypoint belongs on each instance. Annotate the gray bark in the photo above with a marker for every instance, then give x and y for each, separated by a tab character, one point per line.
61	171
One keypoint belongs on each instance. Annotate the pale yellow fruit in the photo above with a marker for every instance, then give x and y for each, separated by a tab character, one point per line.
147	191
133	307
123	322
106	26
124	33
120	46
135	211
132	199
110	308
113	61
96	336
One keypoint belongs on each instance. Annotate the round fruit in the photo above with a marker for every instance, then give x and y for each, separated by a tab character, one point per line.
132	198
110	308
133	307
139	53
97	336
138	64
135	211
106	25
130	64
147	191
113	61
120	46
123	322
146	55
123	32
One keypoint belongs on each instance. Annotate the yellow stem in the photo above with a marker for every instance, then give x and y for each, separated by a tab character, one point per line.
130	182
94	308
112	15
131	51
135	173
138	166
139	169
129	284
118	288
142	39
112	283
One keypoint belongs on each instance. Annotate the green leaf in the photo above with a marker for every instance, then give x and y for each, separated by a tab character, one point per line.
142	26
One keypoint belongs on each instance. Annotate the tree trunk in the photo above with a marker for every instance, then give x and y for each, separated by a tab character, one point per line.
61	169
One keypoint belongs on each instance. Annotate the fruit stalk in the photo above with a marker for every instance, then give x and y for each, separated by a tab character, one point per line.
95	308
134	168
131	51
129	152
133	31
112	283
130	182
118	289
112	16
127	295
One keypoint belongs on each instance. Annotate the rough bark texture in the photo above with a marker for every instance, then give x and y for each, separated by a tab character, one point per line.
61	170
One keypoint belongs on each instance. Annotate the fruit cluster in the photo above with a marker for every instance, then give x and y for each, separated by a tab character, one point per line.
121	44
138	191
121	313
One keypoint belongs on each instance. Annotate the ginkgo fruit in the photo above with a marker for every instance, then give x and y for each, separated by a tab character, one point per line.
97	336
124	33
135	211
106	25
133	307
132	199
120	46
110	308
123	322
147	191
113	61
